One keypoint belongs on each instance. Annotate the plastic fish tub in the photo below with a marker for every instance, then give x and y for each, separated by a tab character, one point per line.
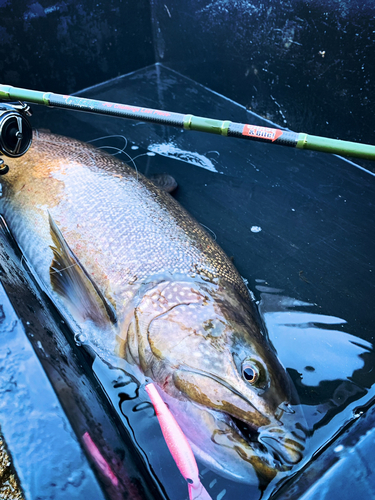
298	226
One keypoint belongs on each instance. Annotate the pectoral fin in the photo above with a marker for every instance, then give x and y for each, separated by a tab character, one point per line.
70	280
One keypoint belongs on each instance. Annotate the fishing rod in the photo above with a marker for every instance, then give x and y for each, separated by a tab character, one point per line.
14	147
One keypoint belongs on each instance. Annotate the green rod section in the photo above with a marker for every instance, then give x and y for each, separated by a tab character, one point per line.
335	146
190	122
9	93
200	124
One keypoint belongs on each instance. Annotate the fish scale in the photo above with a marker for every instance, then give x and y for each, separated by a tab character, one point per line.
151	226
157	244
132	271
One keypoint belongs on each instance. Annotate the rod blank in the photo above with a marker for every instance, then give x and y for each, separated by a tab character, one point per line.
190	122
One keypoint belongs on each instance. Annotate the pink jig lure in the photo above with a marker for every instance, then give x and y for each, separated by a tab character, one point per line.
178	446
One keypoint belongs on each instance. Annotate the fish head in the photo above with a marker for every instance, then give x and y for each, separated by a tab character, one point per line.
202	344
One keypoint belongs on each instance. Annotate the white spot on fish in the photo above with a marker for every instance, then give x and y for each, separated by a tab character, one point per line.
338	448
172	151
134	147
255	229
150	153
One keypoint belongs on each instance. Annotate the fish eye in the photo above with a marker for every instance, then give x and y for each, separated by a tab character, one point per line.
250	373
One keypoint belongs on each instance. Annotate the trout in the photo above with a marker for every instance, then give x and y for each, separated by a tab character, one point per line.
137	275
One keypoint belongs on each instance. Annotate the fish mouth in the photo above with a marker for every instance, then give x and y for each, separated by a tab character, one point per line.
288	450
275	447
268	442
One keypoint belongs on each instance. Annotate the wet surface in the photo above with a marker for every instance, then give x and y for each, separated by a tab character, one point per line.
298	227
304	64
35	428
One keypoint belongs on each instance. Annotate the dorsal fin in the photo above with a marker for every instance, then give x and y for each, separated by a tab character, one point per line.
165	182
71	281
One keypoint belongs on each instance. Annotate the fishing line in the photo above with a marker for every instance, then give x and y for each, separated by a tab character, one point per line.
142	154
120	150
208	229
132	160
110	137
64	269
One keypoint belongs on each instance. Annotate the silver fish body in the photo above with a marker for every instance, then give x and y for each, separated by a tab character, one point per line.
138	275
